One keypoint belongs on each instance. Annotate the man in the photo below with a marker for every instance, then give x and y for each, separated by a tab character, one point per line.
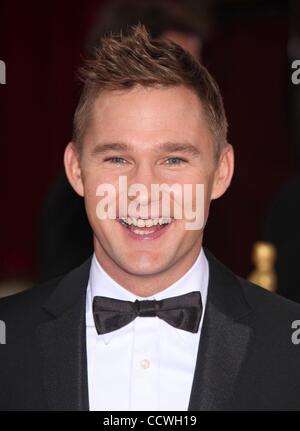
65	237
152	321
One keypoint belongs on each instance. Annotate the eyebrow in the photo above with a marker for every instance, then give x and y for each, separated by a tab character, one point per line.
113	146
182	147
171	147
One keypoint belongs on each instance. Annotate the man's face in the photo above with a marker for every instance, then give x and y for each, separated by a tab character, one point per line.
150	136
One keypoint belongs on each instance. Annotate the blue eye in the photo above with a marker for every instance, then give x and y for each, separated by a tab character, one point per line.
117	160
175	161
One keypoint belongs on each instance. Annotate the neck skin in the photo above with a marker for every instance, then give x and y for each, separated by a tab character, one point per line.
147	285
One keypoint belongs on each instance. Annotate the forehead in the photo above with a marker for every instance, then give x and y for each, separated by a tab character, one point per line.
146	112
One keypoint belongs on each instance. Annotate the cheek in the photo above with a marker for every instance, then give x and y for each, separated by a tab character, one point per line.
94	182
91	183
101	199
202	179
90	197
201	198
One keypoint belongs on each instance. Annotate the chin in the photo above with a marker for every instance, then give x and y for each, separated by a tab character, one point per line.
144	267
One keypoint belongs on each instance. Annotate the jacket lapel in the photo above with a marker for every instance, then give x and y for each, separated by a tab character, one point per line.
62	343
224	342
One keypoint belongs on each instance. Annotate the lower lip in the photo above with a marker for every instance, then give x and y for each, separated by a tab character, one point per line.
154	235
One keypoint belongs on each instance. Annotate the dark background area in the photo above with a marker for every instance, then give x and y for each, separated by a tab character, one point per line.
247	52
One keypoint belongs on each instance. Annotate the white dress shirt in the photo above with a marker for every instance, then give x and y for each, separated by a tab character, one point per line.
147	364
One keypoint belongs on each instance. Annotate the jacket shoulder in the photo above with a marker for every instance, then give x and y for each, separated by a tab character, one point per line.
276	321
24	308
268	310
23	312
263	300
38	292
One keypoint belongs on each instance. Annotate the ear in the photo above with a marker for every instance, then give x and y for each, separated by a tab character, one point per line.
224	172
72	168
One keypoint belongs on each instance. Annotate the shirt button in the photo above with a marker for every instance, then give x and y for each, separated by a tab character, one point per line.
145	363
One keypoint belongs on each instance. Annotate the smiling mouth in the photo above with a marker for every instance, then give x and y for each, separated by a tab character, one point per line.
145	228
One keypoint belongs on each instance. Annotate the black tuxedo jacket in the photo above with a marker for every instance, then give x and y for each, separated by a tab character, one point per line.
246	358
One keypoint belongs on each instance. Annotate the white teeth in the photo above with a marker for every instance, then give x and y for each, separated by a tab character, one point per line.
142	232
148	223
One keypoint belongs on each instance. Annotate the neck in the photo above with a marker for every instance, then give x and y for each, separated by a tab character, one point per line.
148	284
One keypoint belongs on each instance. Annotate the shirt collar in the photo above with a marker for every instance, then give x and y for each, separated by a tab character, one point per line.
101	284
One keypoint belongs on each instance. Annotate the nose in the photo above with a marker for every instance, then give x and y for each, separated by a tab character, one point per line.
139	189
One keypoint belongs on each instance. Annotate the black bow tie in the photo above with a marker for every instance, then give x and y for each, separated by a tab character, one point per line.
183	312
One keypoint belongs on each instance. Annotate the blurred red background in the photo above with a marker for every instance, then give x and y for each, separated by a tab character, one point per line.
42	45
